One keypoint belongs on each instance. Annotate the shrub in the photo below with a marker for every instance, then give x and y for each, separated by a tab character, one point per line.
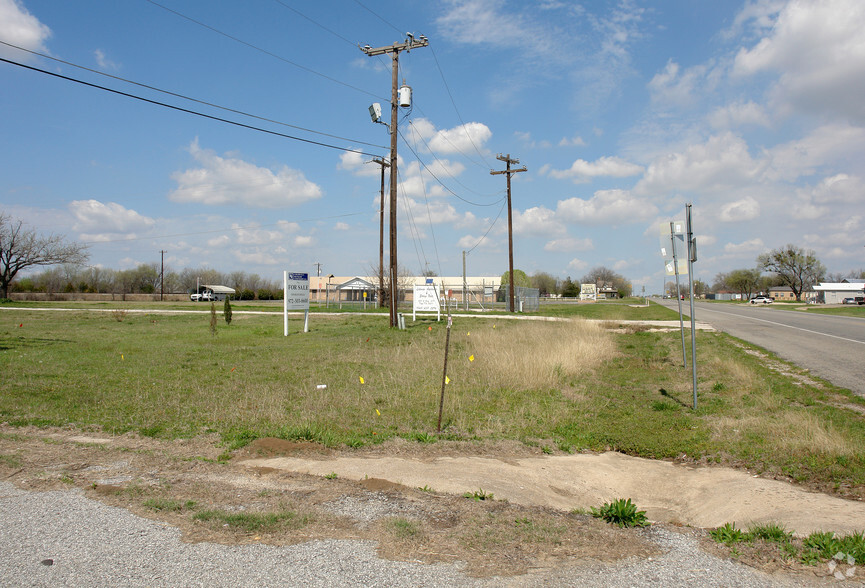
621	512
265	294
246	294
226	311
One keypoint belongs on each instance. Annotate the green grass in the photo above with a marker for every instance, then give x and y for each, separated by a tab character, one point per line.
817	547
254	522
621	512
166	376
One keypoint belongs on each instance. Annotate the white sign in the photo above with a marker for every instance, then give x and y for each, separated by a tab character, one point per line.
296	291
425	299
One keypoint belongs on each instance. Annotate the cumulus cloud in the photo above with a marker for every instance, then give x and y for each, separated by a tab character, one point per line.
537	221
584	171
817	49
721	163
613	207
577	264
463	138
830	144
232	181
569	244
98	221
19	27
741	210
676	87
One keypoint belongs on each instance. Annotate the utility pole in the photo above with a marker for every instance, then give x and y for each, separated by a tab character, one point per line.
508	161
407	45
162	277
383	164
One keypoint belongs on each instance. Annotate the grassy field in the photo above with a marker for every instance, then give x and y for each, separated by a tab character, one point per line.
351	381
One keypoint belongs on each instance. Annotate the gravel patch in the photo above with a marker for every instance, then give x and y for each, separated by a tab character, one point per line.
61	538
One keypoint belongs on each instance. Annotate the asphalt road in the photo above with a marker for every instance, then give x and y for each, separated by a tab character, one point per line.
831	347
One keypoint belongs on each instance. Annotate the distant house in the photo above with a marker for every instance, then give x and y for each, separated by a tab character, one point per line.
836	292
781	293
218	292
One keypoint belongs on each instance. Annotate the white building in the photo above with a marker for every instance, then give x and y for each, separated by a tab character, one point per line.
836	292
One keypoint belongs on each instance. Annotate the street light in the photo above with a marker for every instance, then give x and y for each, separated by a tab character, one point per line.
327	292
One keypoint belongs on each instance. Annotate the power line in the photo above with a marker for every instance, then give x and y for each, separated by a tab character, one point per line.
186	110
459	116
177	95
443	185
489	229
265	51
398	30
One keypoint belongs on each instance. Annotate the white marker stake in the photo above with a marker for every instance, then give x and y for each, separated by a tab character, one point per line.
285	303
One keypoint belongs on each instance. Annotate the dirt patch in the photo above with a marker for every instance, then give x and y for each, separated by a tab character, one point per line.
254	498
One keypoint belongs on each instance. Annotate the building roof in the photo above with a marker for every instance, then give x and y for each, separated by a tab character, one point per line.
217	289
838	287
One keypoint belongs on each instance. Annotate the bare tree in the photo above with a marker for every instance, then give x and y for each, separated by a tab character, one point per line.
21	248
794	266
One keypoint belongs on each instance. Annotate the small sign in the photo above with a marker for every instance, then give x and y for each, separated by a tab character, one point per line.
296	291
425	299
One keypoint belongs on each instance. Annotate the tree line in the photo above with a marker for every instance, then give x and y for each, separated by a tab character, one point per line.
549	285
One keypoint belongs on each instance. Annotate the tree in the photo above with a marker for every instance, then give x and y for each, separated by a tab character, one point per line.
743	281
521	280
570	289
602	275
545	283
21	248
795	267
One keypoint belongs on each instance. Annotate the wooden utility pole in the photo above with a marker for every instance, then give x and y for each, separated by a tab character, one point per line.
407	45
508	161
383	164
162	277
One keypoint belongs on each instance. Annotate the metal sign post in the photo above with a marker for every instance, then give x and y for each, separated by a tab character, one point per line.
692	257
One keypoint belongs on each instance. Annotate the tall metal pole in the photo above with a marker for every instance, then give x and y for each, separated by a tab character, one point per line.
508	161
465	284
409	44
692	257
678	291
383	164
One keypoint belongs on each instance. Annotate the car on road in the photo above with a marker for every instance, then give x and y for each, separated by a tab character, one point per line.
761	300
203	297
848	301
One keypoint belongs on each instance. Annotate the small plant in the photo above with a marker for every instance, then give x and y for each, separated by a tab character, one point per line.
254	522
728	534
478	495
770	532
226	311
621	512
404	528
67	479
213	318
168	505
425	488
824	543
332	476
423	437
118	314
547	449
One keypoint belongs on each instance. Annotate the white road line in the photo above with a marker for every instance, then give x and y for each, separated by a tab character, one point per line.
783	325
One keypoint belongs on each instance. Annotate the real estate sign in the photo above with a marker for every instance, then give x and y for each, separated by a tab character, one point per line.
425	299
295	296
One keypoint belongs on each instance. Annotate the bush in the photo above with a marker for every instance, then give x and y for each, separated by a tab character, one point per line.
265	294
246	294
621	512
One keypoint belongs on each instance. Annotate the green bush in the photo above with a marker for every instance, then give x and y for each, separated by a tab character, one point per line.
265	294
246	294
621	512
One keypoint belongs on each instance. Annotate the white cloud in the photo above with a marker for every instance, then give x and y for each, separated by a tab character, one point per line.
232	181
613	207
277	256
752	246
485	22
721	163
674	87
575	141
103	61
583	171
340	226
460	139
537	221
304	241
818	50
738	114
98	221
577	264
829	145
19	27
741	210
569	244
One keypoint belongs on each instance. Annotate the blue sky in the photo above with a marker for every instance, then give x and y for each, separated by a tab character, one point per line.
622	112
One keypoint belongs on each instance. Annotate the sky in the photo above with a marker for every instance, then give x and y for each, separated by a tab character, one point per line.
622	113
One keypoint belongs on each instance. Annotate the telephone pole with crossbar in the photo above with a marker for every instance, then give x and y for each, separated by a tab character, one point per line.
508	161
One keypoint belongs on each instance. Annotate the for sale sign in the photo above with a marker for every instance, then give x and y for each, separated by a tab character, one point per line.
296	291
